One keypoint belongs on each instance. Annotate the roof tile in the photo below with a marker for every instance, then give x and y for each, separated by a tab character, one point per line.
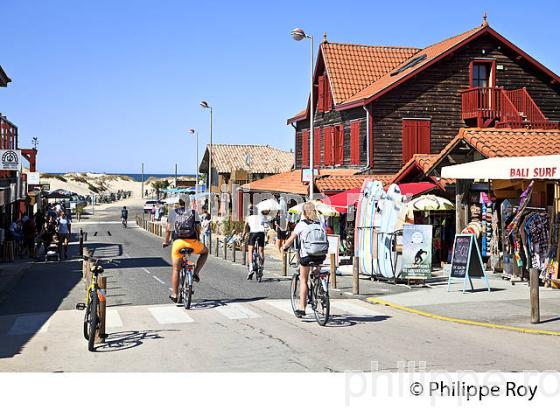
261	159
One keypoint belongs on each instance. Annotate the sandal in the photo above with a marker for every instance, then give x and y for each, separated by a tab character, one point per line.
299	313
173	298
196	278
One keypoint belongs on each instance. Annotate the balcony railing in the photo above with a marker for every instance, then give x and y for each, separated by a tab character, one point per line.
503	108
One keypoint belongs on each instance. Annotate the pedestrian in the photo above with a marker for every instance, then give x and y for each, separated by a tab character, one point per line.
29	231
63	231
17	235
281	227
206	226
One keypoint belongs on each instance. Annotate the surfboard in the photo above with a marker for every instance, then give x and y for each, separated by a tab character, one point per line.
377	192
388	221
359	233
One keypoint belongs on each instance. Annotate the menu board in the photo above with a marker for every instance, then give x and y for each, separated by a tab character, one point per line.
466	262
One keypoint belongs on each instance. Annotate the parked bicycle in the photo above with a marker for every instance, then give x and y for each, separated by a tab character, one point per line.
184	295
94	295
317	294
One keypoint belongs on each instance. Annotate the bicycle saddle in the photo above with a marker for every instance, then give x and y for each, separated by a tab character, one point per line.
186	251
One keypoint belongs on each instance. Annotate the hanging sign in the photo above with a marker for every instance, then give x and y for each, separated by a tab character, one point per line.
334	245
417	251
466	262
10	160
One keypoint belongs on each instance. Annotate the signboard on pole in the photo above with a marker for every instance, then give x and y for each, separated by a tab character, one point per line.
33	178
334	247
306	174
10	160
466	262
417	251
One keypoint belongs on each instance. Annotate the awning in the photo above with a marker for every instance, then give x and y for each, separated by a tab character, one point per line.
343	200
416	188
541	167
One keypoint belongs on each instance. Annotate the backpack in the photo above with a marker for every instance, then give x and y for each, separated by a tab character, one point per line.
185	224
315	242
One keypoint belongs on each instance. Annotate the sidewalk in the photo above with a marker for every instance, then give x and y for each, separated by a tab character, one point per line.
506	305
11	274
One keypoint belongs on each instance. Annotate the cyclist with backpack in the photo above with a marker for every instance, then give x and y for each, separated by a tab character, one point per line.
313	248
184	222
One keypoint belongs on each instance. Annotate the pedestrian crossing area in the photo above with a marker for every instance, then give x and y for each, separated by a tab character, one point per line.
123	317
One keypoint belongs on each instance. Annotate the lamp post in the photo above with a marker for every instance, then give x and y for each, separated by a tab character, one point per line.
193	131
298	34
204	104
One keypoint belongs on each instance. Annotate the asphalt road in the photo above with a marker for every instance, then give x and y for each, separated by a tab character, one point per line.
235	325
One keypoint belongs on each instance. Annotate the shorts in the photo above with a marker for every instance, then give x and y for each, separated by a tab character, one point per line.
281	235
179	244
256	239
307	260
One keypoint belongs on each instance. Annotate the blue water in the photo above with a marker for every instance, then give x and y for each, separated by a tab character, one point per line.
138	177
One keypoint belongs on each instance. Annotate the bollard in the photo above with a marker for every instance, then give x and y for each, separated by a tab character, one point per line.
217	250
234	255
284	263
244	254
534	289
100	336
85	236
81	242
225	250
356	276
333	270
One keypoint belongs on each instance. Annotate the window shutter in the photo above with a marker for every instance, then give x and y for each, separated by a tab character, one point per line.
321	94
305	149
317	147
328	94
339	148
355	143
327	145
423	133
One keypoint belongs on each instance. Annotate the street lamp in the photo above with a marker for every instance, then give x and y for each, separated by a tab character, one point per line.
298	34
204	104
193	131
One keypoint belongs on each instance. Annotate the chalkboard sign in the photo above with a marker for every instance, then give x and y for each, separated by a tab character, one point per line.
466	262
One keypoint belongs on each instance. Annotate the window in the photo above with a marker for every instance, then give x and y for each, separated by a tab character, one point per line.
411	63
305	149
481	74
324	97
415	138
355	142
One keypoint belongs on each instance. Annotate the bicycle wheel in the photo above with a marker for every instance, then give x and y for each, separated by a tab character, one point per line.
93	321
294	292
187	297
181	285
321	303
87	319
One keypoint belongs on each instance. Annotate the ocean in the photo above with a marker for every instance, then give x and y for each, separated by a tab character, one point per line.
138	177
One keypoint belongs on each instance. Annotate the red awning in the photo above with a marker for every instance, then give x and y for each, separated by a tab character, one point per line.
416	188
342	200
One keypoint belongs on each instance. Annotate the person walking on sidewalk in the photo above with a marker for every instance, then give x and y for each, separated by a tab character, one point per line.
64	230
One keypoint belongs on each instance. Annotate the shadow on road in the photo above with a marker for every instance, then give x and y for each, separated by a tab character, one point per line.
345	321
214	303
125	340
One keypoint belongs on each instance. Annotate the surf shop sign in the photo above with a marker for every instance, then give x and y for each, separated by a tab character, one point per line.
417	251
466	262
534	173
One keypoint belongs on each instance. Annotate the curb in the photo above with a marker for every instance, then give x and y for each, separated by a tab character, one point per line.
462	321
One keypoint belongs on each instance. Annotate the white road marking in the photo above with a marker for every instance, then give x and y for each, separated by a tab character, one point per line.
236	311
354	309
29	324
113	319
158	279
284	305
170	315
147	271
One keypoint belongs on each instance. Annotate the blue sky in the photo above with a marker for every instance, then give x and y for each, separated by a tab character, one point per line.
106	85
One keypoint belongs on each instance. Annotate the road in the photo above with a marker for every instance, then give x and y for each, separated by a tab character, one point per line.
235	325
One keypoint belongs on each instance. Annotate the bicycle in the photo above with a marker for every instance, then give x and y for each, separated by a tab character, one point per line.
257	265
185	292
94	295
317	293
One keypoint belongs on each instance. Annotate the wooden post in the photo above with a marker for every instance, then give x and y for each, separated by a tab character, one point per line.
225	249
217	251
81	242
244	254
356	276
333	270
234	257
534	287
102	283
284	263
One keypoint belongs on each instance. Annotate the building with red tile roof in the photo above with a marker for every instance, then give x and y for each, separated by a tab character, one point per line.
376	107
